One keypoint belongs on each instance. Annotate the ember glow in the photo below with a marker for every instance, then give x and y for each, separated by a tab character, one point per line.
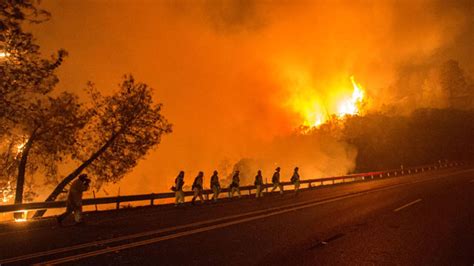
21	216
7	193
20	147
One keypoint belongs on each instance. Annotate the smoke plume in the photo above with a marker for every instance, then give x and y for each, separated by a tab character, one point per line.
226	70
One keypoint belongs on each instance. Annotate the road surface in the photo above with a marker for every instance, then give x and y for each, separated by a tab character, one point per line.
423	219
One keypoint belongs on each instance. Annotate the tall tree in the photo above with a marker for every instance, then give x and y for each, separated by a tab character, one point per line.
26	79
50	128
125	127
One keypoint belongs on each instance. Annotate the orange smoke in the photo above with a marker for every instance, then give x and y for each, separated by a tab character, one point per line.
237	77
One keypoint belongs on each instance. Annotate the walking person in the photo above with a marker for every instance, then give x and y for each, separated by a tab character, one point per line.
259	184
215	186
276	180
178	188
295	179
74	200
235	185
197	188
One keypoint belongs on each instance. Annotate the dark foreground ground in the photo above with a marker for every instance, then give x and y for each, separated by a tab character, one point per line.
425	219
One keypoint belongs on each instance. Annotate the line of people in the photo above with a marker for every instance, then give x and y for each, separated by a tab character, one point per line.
234	186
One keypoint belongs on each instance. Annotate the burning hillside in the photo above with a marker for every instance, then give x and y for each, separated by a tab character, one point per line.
237	78
316	109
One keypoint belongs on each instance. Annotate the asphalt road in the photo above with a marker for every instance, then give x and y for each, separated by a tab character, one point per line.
425	219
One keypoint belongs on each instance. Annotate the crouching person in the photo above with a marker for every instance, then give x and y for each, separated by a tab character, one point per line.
178	188
197	188
259	184
74	200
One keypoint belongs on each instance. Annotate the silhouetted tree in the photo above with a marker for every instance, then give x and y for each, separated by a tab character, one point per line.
125	126
25	81
24	75
50	128
454	82
426	136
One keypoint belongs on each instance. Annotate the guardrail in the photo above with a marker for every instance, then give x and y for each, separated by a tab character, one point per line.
312	183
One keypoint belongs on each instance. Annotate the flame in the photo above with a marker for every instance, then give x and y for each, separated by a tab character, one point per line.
313	116
314	110
303	98
20	216
7	193
4	54
20	147
352	106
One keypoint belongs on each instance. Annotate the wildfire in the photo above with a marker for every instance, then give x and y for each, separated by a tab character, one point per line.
352	106
316	109
303	98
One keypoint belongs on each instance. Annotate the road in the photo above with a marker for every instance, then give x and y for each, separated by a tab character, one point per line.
423	219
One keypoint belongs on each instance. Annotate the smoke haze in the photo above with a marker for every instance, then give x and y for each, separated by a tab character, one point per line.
227	71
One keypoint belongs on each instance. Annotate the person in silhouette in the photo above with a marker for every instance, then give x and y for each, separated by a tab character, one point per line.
295	179
235	185
215	186
74	199
178	188
259	184
197	188
276	180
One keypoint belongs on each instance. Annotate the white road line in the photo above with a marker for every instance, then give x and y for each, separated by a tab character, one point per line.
407	205
185	233
297	206
226	224
174	228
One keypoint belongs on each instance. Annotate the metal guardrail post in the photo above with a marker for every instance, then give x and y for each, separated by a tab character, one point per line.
152	199
118	203
93	193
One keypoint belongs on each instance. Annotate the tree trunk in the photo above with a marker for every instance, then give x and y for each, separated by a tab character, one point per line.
60	187
20	180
